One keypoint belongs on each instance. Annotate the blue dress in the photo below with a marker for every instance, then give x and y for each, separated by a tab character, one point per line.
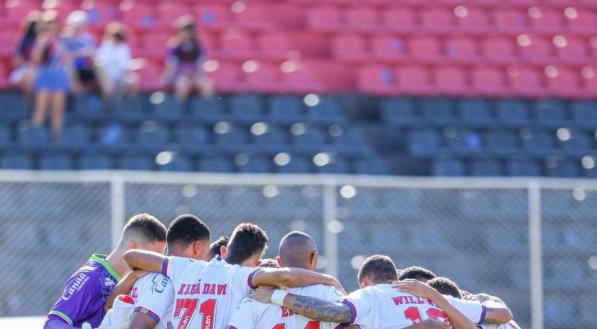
52	74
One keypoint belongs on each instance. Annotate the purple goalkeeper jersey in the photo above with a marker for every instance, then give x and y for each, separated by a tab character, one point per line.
85	293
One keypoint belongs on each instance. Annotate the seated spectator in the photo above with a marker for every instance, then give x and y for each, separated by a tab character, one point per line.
184	64
53	80
24	72
81	46
113	64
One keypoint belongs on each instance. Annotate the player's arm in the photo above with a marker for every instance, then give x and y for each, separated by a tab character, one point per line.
144	260
292	277
142	321
123	287
420	289
497	312
54	323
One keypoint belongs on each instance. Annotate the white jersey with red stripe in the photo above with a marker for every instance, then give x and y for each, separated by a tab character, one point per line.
154	296
384	307
252	314
509	325
206	293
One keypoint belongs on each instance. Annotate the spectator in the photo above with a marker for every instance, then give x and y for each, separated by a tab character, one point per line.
184	64
53	80
81	46
113	64
24	72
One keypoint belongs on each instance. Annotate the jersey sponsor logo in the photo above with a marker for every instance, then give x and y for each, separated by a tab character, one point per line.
159	285
109	282
77	285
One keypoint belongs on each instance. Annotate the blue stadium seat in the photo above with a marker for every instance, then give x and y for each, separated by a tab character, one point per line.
336	166
33	138
326	111
523	167
562	168
132	109
209	110
247	108
475	112
579	144
14	107
399	112
501	142
152	137
16	161
5	137
233	140
88	107
166	108
285	109
193	139
373	166
255	164
463	141
538	142
179	163
424	142
352	141
56	162
96	162
313	140
296	164
135	162
584	113
215	164
274	140
486	168
75	138
438	111
512	112
550	113
114	137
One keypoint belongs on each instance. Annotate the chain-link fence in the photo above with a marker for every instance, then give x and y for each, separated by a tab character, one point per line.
530	242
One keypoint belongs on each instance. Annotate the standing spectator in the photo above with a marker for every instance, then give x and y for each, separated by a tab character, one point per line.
54	72
113	63
24	72
81	46
183	66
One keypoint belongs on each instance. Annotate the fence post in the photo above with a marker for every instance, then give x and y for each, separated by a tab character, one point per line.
330	209
535	255
117	207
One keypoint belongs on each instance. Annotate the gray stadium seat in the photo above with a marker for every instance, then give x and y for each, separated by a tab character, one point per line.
463	141
132	109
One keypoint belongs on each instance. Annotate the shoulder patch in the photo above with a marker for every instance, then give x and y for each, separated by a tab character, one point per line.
75	285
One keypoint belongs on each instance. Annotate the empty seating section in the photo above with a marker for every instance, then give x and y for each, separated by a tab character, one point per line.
467	48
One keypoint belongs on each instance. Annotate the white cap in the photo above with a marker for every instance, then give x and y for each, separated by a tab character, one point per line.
77	18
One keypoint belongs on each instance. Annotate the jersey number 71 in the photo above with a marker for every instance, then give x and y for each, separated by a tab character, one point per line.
185	309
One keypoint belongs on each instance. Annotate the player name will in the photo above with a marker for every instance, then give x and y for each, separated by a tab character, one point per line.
202	288
411	300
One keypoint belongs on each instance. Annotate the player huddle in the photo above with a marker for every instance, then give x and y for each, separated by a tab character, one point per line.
227	284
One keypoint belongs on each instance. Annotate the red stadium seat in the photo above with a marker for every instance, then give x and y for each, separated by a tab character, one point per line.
262	77
581	19
301	77
227	77
562	81
251	15
437	19
588	76
324	18
148	45
168	12
510	20
8	44
214	15
546	19
399	19
451	80
376	80
414	79
424	48
275	45
471	19
526	81
572	50
100	12
150	75
488	81
361	19
499	49
388	48
236	44
462	49
535	49
16	10
349	47
138	14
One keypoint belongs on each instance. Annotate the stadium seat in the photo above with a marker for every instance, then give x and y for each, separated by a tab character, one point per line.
538	143
463	142
361	18
166	108
501	143
168	12
313	140
75	138
437	110
193	139
523	167
138	14
499	49
178	162
226	76
488	81
335	166
16	161
30	137
526	81
475	112
263	77
424	142
95	162
275	45
247	108
462	49
255	164
584	113
472	19
326	111
486	168
285	109
351	141
563	82
582	21
389	49
131	109
13	108
448	168
562	168
349	48
399	19
215	164
512	112
572	50
236	44
296	164
135	162
232	140
546	19
399	111
5	137
373	166
152	137
100	12
535	49
272	141
377	80
253	16
56	162
589	79
324	18
451	80
114	137
214	15
208	110
550	113
577	144
413	79
437	19
424	48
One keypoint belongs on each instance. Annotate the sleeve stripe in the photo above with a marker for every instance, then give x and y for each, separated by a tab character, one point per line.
62	316
147	312
353	310
232	327
483	314
165	267
250	280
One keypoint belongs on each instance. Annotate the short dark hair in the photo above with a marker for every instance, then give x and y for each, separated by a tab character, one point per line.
246	240
445	286
186	229
269	262
417	273
216	246
146	227
378	268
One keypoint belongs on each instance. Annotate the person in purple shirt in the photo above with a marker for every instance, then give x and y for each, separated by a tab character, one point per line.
91	290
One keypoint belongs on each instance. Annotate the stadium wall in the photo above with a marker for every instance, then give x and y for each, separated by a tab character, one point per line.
528	241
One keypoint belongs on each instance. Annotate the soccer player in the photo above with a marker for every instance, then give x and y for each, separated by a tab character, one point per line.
207	293
448	287
216	248
269	262
416	273
88	290
377	305
153	294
